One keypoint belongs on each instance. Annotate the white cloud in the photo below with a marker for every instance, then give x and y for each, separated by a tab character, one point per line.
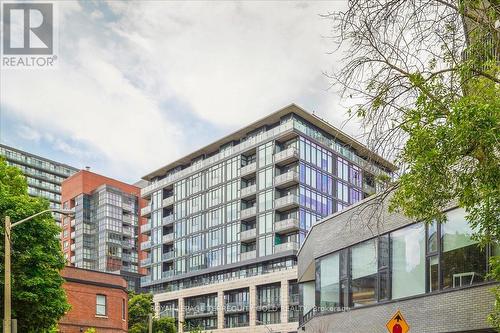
227	63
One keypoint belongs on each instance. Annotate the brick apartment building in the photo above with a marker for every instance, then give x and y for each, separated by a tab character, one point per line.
103	235
97	299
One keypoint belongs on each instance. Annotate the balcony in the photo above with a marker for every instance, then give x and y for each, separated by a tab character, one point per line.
73	235
128	244
235	307
200	311
286	179
290	246
369	189
287	202
146	245
72	247
169	219
72	223
146	261
248	255
168	256
286	226
248	235
128	232
286	156
248	212
248	191
127	207
248	169
146	211
169	201
145	228
127	219
167	274
168	238
145	279
72	259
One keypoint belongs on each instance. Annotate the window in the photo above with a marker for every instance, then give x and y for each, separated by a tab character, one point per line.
408	261
100	308
124	312
364	273
463	261
329	282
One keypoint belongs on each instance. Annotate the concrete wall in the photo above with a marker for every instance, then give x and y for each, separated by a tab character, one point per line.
252	283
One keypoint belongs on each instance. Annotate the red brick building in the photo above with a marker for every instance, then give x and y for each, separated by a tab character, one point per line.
104	233
97	299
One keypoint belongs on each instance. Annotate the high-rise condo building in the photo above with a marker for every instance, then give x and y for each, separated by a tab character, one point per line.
103	234
44	176
224	223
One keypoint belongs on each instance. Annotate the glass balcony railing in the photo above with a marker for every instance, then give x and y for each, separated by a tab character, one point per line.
248	212
248	235
248	255
286	247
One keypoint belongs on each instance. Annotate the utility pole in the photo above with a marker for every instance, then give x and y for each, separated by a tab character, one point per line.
7	286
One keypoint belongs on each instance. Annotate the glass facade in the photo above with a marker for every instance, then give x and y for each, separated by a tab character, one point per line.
104	233
410	261
248	203
44	177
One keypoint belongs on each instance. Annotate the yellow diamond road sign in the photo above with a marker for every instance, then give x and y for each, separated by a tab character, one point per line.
397	324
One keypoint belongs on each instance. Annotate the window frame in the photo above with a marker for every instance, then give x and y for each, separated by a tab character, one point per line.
97	305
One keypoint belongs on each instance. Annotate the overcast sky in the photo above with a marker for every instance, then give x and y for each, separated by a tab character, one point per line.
140	84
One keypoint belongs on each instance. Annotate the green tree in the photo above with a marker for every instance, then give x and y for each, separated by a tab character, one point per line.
38	299
139	308
424	79
164	325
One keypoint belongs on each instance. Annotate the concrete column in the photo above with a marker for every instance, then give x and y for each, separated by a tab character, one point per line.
284	301
253	305
180	311
220	309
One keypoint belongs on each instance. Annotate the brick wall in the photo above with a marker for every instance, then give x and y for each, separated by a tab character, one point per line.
82	287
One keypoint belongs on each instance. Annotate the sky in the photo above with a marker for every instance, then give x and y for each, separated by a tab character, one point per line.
139	84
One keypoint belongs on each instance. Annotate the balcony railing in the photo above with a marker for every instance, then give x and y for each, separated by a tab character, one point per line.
146	261
168	219
248	255
248	235
287	155
167	255
146	245
169	201
248	191
286	247
73	235
286	201
72	247
145	228
167	274
145	279
236	306
168	238
269	302
200	310
145	211
72	223
287	178
287	225
248	169
248	212
243	146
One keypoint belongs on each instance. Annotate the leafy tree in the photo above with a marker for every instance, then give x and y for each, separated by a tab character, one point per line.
38	299
424	79
164	325
139	308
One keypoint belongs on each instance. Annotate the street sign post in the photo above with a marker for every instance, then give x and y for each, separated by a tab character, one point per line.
397	324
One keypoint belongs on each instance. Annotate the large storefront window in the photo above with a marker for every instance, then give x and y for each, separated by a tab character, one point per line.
408	261
329	281
364	273
463	261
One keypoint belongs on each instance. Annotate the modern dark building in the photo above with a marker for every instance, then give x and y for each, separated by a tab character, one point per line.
44	176
103	234
224	223
357	268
